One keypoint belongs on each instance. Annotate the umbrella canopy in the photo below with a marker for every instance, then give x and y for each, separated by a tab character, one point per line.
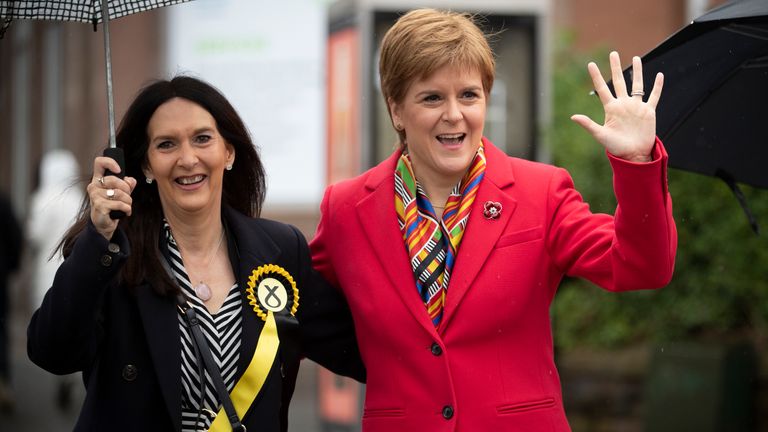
88	11
712	112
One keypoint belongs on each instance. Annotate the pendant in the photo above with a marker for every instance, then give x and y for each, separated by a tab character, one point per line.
202	291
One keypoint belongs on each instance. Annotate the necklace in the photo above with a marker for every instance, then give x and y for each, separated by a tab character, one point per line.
202	290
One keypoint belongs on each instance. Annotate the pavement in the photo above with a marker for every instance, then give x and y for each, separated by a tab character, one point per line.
34	390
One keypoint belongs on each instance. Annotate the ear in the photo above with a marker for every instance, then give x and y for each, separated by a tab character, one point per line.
394	111
147	171
230	154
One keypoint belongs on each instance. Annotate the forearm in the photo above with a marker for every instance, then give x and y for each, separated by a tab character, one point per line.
326	323
63	332
646	237
635	248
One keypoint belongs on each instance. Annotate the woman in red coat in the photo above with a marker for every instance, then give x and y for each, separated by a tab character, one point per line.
450	252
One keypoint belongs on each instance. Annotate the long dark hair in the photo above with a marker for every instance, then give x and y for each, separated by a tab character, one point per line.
244	186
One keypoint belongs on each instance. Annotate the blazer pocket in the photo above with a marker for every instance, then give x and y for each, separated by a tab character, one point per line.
383	412
525	235
525	406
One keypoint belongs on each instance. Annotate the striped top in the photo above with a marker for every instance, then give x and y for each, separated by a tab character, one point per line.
223	332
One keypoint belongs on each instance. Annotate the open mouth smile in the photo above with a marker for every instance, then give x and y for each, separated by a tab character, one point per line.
191	180
451	139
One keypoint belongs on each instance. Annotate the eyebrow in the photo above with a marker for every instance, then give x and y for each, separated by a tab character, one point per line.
434	91
197	131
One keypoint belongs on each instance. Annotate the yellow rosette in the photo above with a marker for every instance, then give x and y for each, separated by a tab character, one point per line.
267	291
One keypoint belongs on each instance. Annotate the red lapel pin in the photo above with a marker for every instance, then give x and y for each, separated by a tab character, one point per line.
492	210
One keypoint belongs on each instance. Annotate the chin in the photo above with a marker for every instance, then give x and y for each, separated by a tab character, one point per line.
459	163
193	206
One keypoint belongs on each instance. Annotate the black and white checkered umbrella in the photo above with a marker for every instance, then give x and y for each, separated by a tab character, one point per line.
87	11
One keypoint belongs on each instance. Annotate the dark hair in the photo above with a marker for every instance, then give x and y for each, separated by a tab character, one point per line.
244	186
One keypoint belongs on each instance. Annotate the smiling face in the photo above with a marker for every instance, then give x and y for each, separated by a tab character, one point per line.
443	117
186	157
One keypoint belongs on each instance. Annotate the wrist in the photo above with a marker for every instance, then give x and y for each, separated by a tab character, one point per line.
638	158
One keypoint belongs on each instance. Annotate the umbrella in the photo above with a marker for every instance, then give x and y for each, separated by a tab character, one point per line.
712	113
87	11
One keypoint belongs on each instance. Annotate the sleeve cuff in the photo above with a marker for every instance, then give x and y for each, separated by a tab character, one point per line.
657	153
109	253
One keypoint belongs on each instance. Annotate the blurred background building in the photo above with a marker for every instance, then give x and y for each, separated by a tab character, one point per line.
303	74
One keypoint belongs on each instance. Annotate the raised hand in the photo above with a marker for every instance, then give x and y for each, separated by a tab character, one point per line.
107	194
630	123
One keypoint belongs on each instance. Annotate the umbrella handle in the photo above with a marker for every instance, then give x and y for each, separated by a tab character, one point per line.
728	179
117	154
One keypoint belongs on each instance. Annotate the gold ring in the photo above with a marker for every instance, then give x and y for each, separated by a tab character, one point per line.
101	180
111	194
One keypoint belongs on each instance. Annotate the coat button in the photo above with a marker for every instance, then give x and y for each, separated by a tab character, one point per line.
436	350
130	372
447	412
106	260
113	247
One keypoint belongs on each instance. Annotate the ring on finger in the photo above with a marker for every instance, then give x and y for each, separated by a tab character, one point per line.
111	194
101	180
638	93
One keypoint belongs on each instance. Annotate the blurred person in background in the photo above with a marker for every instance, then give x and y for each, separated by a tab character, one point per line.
53	208
450	252
190	313
11	244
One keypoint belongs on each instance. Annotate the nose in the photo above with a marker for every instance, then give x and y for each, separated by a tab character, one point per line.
452	112
187	155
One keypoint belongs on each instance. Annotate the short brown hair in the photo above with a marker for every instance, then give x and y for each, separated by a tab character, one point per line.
423	41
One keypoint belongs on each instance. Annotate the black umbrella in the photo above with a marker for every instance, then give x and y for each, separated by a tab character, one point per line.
87	11
713	111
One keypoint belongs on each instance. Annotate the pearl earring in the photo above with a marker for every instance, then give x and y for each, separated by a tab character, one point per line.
149	180
229	167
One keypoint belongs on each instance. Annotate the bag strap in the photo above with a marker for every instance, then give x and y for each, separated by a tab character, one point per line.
190	315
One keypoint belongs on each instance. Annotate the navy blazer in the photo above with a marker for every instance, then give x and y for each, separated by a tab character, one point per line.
127	343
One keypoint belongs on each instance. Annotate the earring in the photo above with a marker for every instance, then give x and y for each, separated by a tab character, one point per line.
149	180
229	167
398	126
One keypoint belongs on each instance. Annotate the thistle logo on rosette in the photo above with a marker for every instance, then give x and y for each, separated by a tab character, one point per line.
272	289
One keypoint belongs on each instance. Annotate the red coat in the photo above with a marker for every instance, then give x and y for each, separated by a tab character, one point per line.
491	365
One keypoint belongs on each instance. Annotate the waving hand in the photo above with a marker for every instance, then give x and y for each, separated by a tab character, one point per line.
630	123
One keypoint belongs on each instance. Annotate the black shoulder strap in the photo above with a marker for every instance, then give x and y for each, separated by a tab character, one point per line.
190	315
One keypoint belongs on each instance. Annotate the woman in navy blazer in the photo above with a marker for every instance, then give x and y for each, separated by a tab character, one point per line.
450	252
191	238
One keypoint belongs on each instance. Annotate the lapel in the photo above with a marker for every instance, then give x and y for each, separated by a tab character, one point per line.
161	327
376	213
481	234
250	246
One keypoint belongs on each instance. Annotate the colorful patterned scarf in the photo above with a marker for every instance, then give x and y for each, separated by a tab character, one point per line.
432	246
